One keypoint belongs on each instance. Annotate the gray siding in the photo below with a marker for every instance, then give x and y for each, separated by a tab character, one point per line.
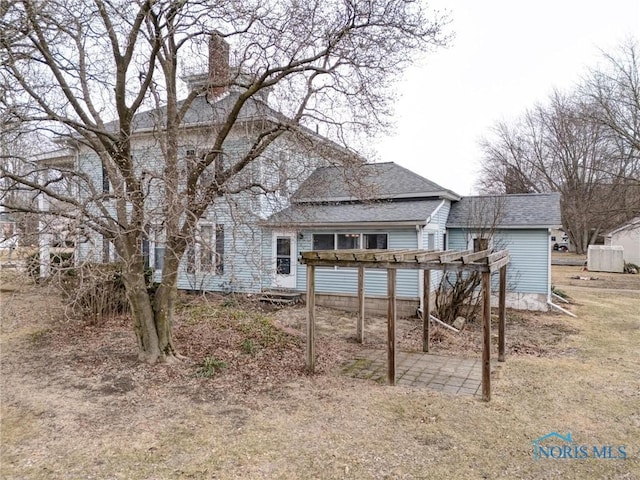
345	280
247	254
528	271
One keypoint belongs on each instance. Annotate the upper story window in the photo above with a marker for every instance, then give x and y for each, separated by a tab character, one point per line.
105	180
214	169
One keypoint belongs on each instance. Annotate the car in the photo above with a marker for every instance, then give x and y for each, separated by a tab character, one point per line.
561	247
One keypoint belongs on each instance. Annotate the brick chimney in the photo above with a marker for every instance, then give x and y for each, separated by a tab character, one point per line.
218	65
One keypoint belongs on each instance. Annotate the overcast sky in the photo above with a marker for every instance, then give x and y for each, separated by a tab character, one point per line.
506	56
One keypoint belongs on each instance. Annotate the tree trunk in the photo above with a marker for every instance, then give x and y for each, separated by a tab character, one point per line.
152	320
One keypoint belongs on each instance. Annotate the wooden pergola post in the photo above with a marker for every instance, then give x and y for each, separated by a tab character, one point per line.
502	312
311	318
486	336
483	262
391	326
360	321
426	301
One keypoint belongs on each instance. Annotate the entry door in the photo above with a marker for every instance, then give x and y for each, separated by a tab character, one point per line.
285	259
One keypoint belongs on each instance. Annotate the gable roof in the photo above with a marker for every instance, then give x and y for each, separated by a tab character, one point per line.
415	212
529	210
630	225
371	181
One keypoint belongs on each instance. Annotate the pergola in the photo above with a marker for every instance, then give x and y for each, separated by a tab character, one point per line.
484	262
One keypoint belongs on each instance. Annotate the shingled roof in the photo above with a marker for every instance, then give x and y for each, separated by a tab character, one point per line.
202	112
374	181
389	212
541	210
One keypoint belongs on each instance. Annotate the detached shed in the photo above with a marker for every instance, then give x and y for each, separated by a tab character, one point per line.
483	261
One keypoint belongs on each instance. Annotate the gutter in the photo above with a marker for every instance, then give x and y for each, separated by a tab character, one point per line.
410	223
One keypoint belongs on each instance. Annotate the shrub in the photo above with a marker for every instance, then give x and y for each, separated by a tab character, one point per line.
58	260
95	291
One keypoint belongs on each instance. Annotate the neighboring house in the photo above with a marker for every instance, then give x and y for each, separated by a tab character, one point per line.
628	237
395	208
559	240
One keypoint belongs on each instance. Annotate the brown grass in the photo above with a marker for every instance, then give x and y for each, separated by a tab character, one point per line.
566	275
76	404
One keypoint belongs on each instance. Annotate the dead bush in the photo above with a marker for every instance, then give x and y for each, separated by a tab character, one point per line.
94	291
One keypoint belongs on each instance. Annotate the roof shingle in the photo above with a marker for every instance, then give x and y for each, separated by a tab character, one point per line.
369	181
507	211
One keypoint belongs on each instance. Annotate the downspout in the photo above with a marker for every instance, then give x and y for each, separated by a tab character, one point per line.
420	238
549	265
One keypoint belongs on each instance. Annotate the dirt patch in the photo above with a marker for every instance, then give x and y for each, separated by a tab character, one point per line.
75	402
530	333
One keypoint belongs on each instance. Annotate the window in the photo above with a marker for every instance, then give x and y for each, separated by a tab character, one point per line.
374	241
431	241
145	253
281	186
212	171
341	241
205	253
157	239
348	241
105	249
480	244
219	249
323	241
283	255
105	180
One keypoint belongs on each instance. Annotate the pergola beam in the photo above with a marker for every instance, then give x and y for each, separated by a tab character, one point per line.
451	266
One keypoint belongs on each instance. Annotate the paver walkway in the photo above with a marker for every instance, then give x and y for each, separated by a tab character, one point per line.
456	375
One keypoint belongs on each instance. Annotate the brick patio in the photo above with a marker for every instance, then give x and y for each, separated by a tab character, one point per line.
461	376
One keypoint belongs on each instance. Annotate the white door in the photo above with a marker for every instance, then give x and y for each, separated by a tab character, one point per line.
284	250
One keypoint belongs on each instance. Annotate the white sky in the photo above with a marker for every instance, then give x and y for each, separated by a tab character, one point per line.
506	56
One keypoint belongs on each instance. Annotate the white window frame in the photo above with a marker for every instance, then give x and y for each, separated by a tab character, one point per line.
474	236
360	237
157	243
198	247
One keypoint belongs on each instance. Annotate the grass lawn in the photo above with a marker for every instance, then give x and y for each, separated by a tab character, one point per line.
76	404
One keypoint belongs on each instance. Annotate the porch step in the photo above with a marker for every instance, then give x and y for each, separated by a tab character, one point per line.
281	297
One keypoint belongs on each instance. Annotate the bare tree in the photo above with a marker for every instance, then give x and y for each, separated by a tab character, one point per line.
614	91
457	294
570	145
103	78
